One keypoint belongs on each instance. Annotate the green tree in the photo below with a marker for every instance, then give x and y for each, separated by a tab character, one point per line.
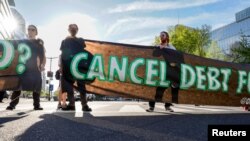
27	93
203	40
231	56
215	52
183	38
189	40
43	94
240	51
157	41
56	93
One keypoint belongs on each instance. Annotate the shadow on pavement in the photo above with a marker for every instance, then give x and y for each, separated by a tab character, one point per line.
13	117
65	126
9	119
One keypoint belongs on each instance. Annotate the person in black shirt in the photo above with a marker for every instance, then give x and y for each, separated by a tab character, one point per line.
70	47
160	90
33	74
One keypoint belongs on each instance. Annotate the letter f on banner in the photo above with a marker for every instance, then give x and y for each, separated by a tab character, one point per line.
187	82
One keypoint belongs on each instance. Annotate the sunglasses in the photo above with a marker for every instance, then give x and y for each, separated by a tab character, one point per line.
31	29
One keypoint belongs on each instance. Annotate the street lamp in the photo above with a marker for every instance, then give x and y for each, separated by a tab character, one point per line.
50	75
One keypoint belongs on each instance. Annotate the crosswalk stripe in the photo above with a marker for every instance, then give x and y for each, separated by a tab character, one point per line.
78	114
131	108
193	109
98	106
205	108
176	109
211	109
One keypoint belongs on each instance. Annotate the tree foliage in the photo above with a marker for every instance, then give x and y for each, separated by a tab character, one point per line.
203	40
183	38
215	52
240	51
189	40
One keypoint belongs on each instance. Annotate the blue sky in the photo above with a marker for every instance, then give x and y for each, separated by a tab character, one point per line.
126	21
132	20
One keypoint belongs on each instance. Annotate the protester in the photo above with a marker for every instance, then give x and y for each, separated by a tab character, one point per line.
160	90
69	47
41	61
61	96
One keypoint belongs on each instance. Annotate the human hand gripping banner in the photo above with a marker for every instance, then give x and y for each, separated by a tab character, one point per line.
137	71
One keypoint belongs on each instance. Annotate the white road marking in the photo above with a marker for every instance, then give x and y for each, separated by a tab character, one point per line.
131	108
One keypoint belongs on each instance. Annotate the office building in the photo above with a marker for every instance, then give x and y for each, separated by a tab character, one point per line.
229	34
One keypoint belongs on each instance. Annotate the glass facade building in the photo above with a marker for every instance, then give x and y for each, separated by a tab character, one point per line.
12	23
229	34
6	17
19	31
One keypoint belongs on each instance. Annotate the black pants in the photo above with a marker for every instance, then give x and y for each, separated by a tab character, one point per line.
67	86
2	93
16	95
159	95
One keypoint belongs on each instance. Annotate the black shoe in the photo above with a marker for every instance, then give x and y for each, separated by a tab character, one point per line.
167	108
10	108
86	109
59	106
69	108
38	108
151	109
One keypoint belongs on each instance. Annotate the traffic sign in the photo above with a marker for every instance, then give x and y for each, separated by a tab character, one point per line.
51	87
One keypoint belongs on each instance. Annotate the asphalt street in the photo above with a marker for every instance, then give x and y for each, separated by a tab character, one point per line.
114	121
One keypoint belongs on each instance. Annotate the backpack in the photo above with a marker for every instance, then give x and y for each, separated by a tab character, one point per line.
57	75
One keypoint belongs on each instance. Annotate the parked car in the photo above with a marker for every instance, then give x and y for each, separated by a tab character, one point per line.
77	96
91	97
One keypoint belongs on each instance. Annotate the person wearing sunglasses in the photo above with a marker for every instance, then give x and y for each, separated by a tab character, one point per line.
34	72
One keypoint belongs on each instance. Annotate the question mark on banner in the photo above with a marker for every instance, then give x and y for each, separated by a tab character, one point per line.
24	55
8	53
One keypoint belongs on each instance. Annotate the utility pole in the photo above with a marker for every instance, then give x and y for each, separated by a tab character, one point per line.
50	75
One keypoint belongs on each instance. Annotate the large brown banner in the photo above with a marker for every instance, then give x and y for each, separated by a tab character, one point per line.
134	71
201	80
18	65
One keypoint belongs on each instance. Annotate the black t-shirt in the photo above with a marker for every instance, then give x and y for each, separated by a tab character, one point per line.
40	49
32	73
71	46
37	49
